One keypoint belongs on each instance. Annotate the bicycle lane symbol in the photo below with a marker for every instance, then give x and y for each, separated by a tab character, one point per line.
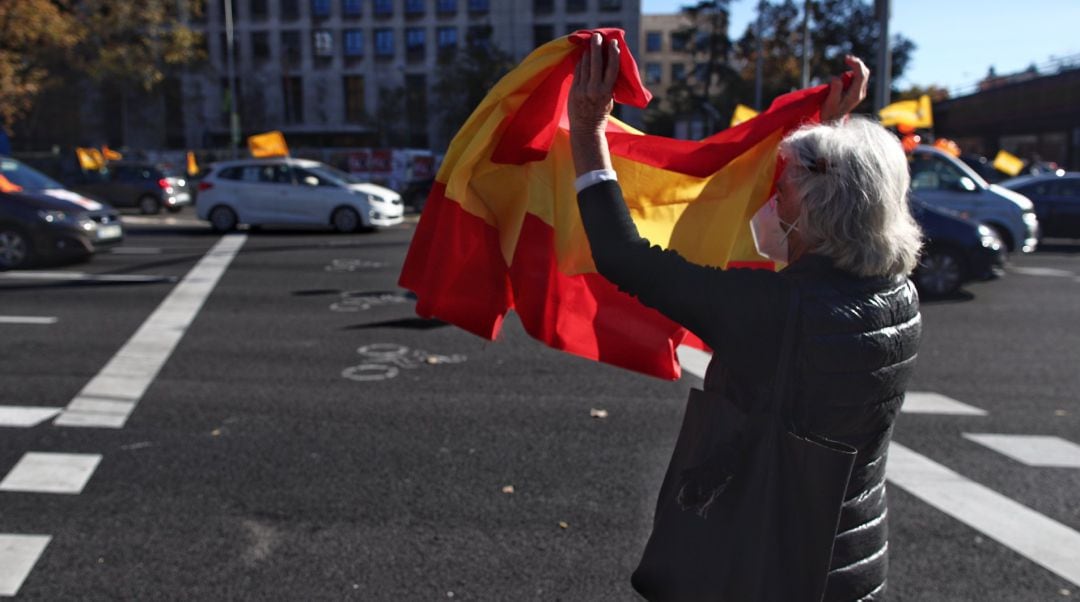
383	361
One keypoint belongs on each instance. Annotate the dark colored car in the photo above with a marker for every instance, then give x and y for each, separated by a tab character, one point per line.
149	187
40	219
956	251
1056	196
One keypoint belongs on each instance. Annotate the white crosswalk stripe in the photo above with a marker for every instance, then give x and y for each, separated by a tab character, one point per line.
18	555
46	472
1032	450
25	416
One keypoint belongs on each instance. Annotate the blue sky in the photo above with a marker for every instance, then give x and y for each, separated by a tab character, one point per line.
958	40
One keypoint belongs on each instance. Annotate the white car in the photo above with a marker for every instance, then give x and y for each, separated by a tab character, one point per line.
286	191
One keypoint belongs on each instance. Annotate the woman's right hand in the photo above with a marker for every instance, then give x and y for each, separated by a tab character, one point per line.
590	100
840	102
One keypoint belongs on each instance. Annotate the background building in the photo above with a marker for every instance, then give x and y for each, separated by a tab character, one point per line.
344	72
663	62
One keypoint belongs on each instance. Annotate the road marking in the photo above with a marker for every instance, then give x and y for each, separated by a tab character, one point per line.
1032	450
919	402
25	416
162	221
83	277
694	361
110	397
44	320
136	251
1042	540
1037	271
43	472
18	554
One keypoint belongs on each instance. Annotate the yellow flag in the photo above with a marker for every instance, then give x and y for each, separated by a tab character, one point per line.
914	113
269	144
110	154
90	159
742	113
192	165
1008	163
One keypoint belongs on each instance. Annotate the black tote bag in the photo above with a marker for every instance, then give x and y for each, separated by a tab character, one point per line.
749	508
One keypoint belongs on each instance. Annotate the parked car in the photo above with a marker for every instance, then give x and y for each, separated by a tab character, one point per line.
1056	196
286	191
148	186
40	219
956	250
941	180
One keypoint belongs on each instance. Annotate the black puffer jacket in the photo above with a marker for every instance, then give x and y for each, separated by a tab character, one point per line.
857	347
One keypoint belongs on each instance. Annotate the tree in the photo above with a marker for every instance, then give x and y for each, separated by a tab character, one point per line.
936	93
37	34
465	77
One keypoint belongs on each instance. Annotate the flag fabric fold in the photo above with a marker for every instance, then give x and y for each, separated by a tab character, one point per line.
501	228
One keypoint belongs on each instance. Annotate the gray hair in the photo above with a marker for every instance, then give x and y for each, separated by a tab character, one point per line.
852	179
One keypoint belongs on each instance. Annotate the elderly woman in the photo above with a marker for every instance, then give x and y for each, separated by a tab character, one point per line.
850	243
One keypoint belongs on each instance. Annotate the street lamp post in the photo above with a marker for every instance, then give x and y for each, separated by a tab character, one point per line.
230	62
882	90
760	55
806	45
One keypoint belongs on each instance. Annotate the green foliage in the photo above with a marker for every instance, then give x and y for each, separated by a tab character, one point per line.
35	35
464	79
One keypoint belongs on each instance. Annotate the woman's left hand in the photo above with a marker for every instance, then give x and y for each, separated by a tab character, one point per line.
840	102
590	100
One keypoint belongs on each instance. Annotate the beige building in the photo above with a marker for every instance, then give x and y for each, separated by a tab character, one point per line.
315	68
661	62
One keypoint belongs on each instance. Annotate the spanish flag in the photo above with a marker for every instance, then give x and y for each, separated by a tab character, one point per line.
914	113
501	228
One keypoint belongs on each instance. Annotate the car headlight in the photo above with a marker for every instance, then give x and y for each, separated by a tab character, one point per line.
1031	219
53	217
988	238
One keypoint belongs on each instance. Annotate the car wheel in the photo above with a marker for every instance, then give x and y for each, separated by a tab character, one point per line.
15	251
149	205
345	219
1004	236
222	219
940	272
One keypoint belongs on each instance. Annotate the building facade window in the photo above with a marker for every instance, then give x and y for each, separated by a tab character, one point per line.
257	9
653	73
353	85
610	5
572	27
446	7
354	43
320	9
416	109
678	41
678	72
479	7
414	42
576	6
543	7
654	41
292	93
384	8
260	45
414	8
542	34
290	9
290	46
447	39
384	42
322	43
352	8
479	36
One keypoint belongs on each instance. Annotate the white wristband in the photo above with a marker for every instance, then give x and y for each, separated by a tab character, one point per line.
594	177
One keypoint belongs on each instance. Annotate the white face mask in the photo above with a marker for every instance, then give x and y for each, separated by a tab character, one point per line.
770	233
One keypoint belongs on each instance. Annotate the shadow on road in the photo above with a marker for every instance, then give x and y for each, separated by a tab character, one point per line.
404	323
960	296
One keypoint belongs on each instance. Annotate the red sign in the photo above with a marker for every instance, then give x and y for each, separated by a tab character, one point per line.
381	160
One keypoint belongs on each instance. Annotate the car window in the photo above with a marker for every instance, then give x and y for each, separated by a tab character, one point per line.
1066	188
24	177
931	172
1035	189
312	177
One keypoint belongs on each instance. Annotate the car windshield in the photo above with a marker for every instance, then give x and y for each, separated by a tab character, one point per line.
332	173
25	177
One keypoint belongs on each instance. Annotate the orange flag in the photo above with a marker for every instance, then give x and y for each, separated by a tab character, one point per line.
110	154
270	144
192	165
501	228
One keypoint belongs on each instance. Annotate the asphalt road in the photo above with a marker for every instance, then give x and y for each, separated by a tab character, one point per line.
310	438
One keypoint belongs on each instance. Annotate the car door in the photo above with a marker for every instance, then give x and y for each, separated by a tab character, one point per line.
1065	207
316	196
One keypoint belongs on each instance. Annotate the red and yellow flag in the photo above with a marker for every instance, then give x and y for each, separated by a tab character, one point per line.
501	228
110	155
90	159
270	144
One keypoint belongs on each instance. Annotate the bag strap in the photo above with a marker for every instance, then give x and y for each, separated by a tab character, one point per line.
782	384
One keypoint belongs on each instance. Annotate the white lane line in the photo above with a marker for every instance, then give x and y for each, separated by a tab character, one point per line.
1042	540
694	361
43	472
110	397
1032	450
43	320
18	555
1037	271
919	402
161	221
25	416
82	277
